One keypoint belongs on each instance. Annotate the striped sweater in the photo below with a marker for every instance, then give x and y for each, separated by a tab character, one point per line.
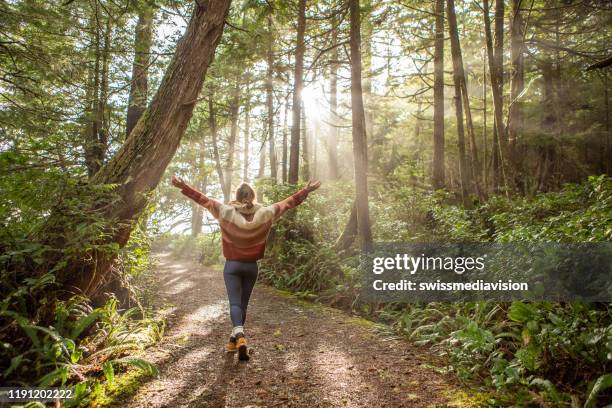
244	233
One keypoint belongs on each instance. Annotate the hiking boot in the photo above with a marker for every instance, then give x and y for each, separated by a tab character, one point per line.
231	345
241	343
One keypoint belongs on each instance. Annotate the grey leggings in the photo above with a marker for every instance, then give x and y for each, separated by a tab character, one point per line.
239	279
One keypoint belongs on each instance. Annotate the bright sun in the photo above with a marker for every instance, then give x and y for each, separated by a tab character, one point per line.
314	100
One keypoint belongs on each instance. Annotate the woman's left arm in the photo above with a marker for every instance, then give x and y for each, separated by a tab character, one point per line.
296	199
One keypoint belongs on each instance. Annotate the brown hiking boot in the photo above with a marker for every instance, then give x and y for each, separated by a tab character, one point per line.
241	344
231	345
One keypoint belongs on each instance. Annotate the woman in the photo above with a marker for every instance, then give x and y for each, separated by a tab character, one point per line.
245	225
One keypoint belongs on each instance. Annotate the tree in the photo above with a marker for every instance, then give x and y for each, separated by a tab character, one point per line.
298	84
496	74
137	101
457	75
517	75
96	141
438	158
270	99
460	77
231	148
332	144
359	129
139	164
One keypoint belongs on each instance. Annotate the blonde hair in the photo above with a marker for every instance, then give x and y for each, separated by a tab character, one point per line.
245	195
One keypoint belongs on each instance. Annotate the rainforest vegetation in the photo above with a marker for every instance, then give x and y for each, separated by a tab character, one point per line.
427	121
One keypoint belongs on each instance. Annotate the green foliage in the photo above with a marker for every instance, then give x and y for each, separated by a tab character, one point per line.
557	351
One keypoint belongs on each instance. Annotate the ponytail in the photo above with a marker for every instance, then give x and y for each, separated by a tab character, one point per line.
245	195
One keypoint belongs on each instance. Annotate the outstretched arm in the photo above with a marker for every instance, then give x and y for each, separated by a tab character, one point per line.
206	202
296	199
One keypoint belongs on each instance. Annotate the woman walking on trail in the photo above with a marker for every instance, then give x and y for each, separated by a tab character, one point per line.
245	225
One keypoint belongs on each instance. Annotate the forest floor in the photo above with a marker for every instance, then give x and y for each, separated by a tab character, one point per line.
302	354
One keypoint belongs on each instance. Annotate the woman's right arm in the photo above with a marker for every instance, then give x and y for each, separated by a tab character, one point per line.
210	204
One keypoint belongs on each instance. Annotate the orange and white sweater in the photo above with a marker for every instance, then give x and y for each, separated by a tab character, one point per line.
244	231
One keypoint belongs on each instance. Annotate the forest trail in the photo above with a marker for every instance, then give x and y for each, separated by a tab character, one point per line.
302	355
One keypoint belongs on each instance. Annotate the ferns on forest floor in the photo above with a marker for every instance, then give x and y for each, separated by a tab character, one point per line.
553	352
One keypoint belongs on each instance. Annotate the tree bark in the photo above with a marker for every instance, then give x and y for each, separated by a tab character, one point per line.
294	156
247	131
212	123
231	145
262	161
349	233
285	147
457	74
305	147
270	101
332	144
359	129
137	101
96	143
139	164
515	117
438	155
496	74
474	173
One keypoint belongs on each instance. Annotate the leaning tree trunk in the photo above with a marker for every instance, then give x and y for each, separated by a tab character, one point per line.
360	146
438	156
139	164
298	80
137	101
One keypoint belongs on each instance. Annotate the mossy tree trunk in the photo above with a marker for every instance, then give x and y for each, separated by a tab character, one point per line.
139	164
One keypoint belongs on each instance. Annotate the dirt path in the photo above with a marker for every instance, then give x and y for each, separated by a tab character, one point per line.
302	356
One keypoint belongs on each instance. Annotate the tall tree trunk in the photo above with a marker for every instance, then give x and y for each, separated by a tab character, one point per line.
517	75
458	65
438	155
366	59
457	75
247	131
485	143
285	147
294	157
305	147
139	164
270	101
359	130
103	113
137	101
212	123
97	142
262	160
496	73
550	119
332	143
231	144
201	179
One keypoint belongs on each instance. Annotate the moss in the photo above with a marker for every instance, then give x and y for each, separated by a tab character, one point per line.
125	385
467	399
